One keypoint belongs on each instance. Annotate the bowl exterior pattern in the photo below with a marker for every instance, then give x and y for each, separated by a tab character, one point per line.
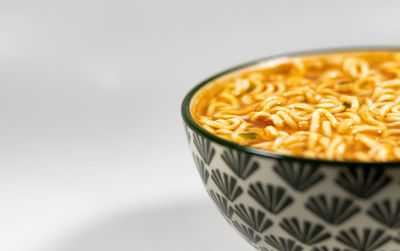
289	205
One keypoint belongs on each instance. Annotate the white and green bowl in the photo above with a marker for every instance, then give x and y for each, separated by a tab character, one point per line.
284	203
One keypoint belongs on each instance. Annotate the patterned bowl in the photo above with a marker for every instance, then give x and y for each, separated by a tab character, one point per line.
291	204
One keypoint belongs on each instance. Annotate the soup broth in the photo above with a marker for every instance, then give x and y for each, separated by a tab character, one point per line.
336	106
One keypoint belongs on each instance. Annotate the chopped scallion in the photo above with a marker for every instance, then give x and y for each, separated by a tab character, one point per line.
249	135
346	104
251	88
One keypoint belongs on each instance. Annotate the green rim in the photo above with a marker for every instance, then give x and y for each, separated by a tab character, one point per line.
187	117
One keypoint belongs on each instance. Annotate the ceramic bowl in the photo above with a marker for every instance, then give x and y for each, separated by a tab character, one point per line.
286	203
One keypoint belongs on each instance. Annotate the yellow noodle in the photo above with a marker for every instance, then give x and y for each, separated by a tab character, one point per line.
366	129
214	106
330	152
230	98
312	140
271	131
391	132
254	116
345	125
326	128
287	119
240	87
390	83
366	116
365	140
343	106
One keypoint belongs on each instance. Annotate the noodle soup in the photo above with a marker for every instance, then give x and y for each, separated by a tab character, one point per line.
335	106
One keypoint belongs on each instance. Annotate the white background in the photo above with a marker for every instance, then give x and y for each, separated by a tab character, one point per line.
93	156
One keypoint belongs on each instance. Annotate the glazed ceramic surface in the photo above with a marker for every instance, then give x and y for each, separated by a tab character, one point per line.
290	205
293	204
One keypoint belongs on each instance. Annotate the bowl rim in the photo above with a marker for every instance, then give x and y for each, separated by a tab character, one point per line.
188	119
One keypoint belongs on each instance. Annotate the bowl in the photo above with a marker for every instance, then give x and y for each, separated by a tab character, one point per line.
287	203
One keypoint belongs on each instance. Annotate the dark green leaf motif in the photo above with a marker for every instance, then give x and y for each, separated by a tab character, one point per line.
222	204
305	231
273	199
334	210
370	239
386	213
204	148
226	184
240	163
282	244
362	181
325	248
204	174
247	232
254	218
300	175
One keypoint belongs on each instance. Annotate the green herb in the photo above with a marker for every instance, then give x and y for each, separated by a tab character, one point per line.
346	104
251	88
249	135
